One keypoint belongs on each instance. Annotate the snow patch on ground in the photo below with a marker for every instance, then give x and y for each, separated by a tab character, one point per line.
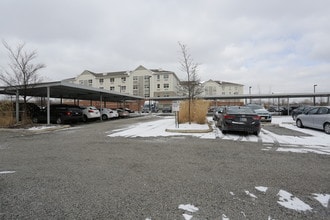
250	194
261	188
316	141
289	201
323	199
7	172
188	207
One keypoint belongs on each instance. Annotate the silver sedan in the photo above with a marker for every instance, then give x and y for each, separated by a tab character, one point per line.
317	117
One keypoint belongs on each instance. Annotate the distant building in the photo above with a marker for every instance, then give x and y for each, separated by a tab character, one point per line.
139	82
153	83
218	88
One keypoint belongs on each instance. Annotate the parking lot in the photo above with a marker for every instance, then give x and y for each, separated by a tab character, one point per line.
94	171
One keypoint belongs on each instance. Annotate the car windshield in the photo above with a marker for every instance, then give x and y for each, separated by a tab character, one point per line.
239	110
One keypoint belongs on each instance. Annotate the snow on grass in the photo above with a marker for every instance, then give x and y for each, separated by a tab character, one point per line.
316	141
158	128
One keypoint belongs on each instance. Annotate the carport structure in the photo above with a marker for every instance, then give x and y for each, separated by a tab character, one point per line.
64	90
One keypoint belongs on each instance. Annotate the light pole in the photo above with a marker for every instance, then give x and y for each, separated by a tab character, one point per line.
314	94
250	92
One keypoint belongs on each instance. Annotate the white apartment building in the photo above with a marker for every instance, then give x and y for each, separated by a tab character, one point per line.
150	83
139	82
214	88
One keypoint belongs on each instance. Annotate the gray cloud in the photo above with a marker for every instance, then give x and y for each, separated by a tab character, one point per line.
275	46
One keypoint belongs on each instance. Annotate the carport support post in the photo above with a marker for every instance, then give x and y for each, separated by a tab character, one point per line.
288	106
17	106
101	106
48	106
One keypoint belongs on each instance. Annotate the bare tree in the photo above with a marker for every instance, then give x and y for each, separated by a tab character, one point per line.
22	72
192	86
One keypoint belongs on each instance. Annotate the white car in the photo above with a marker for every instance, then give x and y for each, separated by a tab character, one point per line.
316	117
108	113
264	114
90	112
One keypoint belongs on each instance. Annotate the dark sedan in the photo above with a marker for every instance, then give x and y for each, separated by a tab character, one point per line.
300	110
60	113
238	118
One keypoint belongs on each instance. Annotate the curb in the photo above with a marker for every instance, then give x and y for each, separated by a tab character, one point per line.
191	131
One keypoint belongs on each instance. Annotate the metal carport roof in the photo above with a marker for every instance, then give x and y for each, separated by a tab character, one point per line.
65	90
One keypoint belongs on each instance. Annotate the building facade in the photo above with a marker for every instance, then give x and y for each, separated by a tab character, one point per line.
139	82
214	88
151	83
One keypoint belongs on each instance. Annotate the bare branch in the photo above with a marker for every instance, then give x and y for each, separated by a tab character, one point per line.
22	72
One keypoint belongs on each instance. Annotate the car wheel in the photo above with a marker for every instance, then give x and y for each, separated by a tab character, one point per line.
84	118
59	120
104	117
327	128
223	130
299	124
256	133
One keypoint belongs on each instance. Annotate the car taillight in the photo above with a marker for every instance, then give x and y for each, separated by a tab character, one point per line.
68	113
229	116
90	111
256	117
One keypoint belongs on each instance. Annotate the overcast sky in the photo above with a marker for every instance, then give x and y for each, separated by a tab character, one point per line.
273	46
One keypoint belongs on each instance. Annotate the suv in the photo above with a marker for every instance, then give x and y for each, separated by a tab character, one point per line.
60	113
90	112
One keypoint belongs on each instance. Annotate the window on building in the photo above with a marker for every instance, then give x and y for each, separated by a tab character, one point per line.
166	86
158	77
90	82
158	86
112	88
101	81
135	87
166	77
135	78
81	82
112	80
123	88
123	79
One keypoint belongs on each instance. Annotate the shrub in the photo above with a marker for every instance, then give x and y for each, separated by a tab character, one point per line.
6	114
198	110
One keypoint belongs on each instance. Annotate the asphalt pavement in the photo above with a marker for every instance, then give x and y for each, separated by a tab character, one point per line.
81	173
